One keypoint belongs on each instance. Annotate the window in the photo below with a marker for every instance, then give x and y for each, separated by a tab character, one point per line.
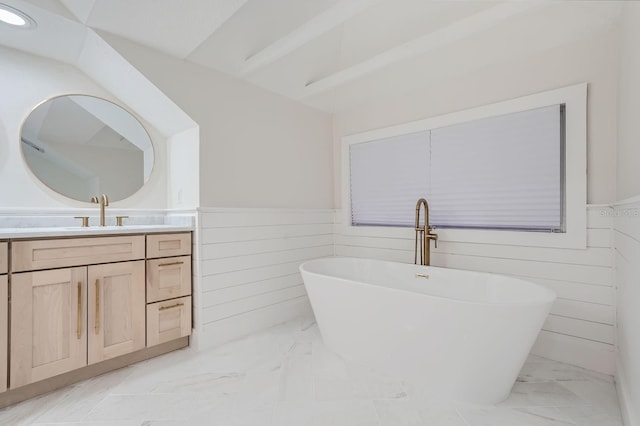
502	172
388	176
500	169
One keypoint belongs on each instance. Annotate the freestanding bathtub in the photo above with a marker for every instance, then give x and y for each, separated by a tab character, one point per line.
456	334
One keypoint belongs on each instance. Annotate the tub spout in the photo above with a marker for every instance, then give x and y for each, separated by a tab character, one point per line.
423	235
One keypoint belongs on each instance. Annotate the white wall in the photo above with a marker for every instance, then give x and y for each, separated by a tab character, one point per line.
104	64
183	156
592	60
627	220
628	172
26	81
581	327
257	149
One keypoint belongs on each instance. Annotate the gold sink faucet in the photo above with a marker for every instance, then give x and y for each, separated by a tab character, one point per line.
423	235
103	200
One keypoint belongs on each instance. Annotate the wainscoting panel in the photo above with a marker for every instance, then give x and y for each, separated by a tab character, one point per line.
249	261
627	253
581	326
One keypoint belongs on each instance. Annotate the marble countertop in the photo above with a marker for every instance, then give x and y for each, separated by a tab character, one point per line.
77	231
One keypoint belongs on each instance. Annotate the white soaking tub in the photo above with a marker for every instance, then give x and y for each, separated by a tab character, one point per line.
455	334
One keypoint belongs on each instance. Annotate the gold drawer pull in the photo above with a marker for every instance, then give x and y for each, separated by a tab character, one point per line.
164	308
79	325
180	262
97	324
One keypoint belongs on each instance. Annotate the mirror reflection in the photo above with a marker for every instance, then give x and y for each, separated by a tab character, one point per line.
82	146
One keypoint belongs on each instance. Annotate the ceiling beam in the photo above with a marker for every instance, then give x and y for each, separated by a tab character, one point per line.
342	11
458	30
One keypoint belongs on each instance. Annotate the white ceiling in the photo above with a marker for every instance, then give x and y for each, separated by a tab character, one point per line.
336	54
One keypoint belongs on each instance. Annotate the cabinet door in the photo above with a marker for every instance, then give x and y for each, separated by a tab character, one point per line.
4	331
48	317
168	278
116	309
168	320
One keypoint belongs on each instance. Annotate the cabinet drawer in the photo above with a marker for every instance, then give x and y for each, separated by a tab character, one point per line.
43	254
166	245
4	258
168	320
168	278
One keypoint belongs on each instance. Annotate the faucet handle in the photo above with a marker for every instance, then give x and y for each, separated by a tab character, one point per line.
119	220
85	220
432	236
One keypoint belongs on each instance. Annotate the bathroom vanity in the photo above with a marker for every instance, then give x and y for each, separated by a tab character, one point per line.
4	313
75	303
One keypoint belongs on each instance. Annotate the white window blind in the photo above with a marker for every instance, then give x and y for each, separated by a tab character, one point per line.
387	178
503	172
499	172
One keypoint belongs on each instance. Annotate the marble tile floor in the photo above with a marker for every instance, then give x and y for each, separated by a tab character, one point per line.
286	377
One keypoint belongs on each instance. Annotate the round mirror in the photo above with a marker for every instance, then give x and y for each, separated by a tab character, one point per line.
83	146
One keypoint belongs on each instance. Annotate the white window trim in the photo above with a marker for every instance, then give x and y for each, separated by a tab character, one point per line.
575	99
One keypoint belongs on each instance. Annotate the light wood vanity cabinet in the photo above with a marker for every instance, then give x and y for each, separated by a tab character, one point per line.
64	319
168	287
4	314
60	323
76	302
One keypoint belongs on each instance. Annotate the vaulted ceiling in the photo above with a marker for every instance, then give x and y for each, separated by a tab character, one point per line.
336	54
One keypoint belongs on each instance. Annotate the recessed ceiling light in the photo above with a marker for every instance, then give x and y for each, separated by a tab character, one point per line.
12	16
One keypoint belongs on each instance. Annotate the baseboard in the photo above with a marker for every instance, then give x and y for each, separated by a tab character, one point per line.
627	408
583	353
239	326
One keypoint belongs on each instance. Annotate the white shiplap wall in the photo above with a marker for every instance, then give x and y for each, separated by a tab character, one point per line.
248	267
581	327
627	258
